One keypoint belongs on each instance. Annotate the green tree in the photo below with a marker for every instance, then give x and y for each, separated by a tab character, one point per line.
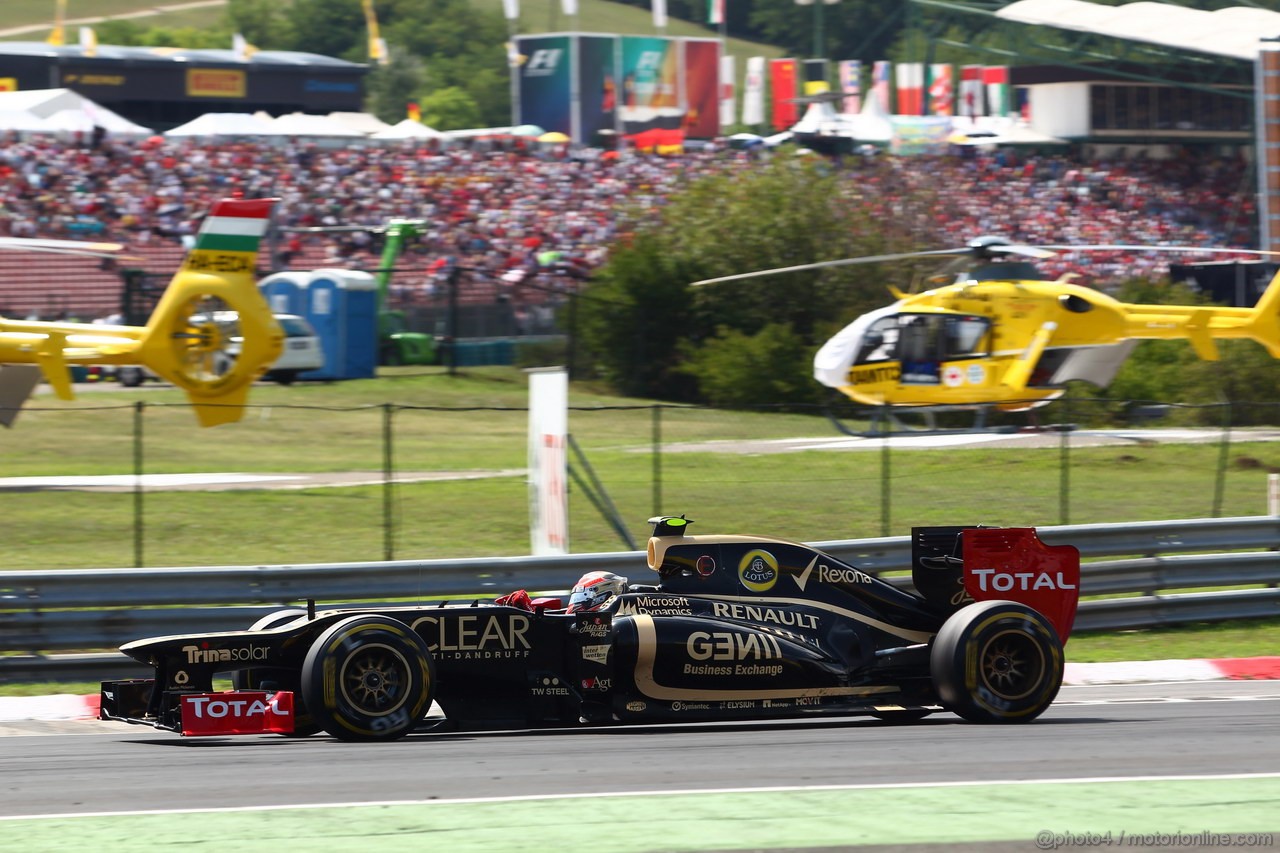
262	22
390	88
791	210
737	369
449	108
328	27
460	47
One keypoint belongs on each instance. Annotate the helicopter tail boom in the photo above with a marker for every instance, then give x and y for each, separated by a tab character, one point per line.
212	298
1265	320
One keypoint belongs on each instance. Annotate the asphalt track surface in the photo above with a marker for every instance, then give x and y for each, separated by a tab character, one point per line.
1174	763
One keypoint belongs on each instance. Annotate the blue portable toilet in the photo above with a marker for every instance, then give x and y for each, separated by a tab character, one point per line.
283	292
342	305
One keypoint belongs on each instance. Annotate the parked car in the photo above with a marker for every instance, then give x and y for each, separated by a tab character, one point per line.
301	352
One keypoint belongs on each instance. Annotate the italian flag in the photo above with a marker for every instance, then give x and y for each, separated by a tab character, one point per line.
715	11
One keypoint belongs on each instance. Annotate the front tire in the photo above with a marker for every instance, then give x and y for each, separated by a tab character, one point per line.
368	678
997	662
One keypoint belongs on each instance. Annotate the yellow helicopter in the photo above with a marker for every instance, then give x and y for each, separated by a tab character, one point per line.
1000	335
213	297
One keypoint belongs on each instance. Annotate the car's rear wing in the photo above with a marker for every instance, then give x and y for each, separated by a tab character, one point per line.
954	566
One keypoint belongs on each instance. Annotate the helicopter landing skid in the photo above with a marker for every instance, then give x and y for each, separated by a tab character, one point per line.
888	420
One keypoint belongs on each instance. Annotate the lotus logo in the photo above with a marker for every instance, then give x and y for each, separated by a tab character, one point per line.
758	571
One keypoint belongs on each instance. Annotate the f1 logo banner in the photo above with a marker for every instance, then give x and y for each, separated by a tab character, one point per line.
548	461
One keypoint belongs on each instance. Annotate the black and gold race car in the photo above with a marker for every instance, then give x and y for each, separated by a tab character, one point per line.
736	627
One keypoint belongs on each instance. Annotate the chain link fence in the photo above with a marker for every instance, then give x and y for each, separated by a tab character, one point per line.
300	484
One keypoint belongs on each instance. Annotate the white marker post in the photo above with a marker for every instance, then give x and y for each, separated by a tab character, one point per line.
548	460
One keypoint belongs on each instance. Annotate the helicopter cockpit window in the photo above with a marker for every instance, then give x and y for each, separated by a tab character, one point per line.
880	342
966	337
919	347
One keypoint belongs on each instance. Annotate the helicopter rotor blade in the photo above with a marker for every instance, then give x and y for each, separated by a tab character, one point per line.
841	262
61	247
1122	247
1038	252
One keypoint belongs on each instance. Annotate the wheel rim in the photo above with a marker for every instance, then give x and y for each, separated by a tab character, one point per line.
1013	665
375	681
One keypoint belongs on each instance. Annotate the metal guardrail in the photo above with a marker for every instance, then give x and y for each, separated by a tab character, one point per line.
47	611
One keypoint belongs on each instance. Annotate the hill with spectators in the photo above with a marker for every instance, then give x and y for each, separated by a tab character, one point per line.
513	214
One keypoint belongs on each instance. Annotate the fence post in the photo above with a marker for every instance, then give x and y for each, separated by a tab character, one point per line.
388	486
138	530
1224	453
657	460
885	488
1064	465
1273	494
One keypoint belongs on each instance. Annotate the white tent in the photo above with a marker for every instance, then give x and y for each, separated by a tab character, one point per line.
21	121
408	129
73	111
223	124
364	122
998	130
303	124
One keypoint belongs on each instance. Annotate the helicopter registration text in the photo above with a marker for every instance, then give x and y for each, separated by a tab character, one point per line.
879	373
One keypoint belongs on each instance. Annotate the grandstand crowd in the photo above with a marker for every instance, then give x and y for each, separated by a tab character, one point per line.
508	213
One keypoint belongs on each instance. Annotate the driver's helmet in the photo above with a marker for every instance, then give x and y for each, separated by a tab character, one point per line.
594	589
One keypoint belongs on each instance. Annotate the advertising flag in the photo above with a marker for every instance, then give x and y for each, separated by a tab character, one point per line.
660	14
377	46
816	74
972	103
782	73
753	92
728	101
850	72
880	84
58	35
941	101
88	41
995	79
701	88
910	80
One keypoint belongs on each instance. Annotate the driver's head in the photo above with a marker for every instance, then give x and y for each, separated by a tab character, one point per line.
594	589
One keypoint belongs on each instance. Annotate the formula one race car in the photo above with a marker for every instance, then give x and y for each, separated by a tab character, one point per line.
737	627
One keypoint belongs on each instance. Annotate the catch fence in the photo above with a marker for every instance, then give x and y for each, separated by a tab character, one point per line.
391	481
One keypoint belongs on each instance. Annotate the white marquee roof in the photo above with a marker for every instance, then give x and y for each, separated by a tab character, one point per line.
1237	32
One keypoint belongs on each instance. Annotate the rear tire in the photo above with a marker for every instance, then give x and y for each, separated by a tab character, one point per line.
368	678
997	662
273	678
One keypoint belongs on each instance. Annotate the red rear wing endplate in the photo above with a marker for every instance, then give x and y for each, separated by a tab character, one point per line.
1012	564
